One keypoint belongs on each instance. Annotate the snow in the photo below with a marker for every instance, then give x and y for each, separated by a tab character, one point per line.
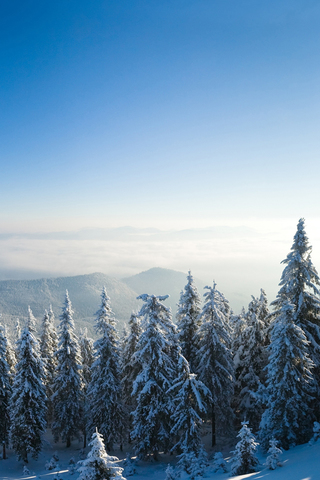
299	463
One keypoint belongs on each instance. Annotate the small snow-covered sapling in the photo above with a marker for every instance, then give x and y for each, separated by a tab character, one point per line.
219	463
272	461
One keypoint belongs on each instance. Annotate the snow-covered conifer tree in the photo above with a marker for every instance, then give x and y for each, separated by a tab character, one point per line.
5	389
300	287
215	365
250	361
68	395
87	355
11	355
17	330
31	324
289	383
238	324
99	465
104	392
244	458
188	321
130	367
272	460
28	400
151	423
48	348
190	402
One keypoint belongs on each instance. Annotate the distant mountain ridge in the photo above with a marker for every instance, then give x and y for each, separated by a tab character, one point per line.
162	281
85	291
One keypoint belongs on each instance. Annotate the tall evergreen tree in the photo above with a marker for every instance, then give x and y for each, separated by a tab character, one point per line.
11	355
289	384
300	287
87	356
68	395
250	361
190	404
151	422
28	400
215	365
5	390
188	320
130	367
105	390
48	348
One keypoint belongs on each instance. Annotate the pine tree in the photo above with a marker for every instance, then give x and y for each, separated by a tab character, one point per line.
5	391
151	423
300	287
68	396
11	355
244	456
99	465
188	320
28	400
215	365
289	383
190	406
250	361
272	460
87	356
238	324
130	367
48	348
105	390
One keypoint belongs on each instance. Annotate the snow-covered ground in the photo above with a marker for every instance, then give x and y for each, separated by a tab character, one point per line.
300	463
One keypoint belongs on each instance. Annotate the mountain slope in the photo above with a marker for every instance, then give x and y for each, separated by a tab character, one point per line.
84	291
161	281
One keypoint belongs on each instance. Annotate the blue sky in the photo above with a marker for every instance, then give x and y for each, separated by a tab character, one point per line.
167	114
127	110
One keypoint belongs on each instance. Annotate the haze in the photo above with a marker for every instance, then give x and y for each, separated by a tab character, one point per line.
196	118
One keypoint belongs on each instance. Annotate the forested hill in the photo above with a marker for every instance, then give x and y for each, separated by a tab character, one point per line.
85	291
162	281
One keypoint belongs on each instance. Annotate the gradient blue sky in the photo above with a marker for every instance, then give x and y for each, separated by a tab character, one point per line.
158	112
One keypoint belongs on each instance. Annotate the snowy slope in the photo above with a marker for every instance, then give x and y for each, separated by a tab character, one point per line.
300	463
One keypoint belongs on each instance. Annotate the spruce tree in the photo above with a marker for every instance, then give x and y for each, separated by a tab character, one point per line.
215	365
188	321
190	404
28	400
130	367
244	458
48	348
300	287
250	361
11	355
99	465
68	384
104	392
5	391
151	418
87	356
289	384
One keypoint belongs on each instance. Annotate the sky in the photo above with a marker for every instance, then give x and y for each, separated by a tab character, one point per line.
173	115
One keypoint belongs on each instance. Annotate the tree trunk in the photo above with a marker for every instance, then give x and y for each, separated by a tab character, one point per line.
68	442
4	456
